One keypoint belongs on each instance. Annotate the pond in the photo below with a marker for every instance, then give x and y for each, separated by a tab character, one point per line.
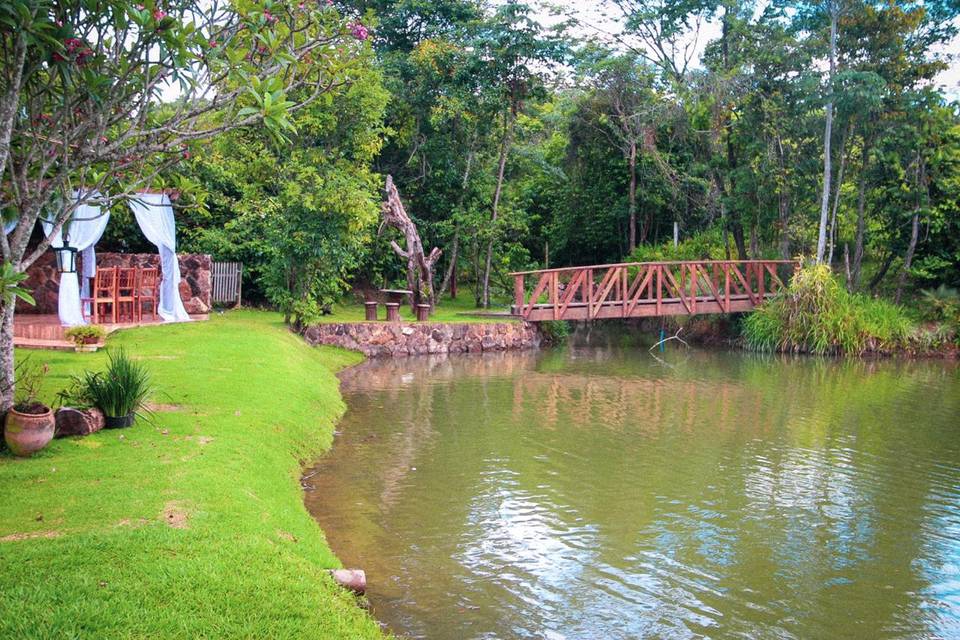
602	492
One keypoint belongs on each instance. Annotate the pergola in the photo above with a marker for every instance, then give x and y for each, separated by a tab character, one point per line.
154	215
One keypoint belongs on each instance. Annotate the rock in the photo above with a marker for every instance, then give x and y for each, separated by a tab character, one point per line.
78	422
353	579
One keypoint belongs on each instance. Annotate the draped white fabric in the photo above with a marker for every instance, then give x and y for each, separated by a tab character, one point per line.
155	216
83	231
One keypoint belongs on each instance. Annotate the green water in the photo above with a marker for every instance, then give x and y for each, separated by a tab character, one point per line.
601	493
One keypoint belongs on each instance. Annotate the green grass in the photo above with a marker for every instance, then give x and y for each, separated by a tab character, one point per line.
462	309
87	546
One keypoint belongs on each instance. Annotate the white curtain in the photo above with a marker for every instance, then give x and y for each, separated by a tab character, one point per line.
155	216
83	232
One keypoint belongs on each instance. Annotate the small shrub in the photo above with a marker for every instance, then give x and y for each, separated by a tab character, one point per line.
703	246
85	334
29	378
119	391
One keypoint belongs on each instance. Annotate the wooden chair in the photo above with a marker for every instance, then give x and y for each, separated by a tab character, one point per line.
104	293
148	291
126	294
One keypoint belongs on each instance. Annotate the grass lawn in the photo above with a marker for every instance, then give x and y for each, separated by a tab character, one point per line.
193	527
463	309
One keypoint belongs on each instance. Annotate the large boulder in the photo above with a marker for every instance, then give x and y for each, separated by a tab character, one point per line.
78	422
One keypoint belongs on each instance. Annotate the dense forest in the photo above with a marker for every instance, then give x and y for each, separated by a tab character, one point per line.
813	129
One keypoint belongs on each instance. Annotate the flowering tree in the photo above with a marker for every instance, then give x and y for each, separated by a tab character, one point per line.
82	88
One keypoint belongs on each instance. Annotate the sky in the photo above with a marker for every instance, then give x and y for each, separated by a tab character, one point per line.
592	13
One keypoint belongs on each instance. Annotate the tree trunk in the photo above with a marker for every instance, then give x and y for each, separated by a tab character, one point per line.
731	219
908	258
7	379
450	279
836	195
632	162
914	231
879	275
11	99
419	266
501	166
854	282
827	134
783	204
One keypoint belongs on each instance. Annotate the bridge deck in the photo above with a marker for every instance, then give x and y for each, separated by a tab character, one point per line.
647	289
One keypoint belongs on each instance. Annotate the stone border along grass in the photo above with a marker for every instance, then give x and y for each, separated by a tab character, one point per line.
193	526
398	339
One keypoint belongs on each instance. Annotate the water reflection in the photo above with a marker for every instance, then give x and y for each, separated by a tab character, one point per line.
599	492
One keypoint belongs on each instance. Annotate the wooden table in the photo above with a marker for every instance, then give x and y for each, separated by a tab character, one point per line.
396	295
394	300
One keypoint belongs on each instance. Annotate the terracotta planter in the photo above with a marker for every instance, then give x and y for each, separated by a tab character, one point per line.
26	433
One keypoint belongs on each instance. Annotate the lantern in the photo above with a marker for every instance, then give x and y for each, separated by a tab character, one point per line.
66	257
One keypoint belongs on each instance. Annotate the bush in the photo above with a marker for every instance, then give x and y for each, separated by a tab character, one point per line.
707	245
555	331
85	334
942	305
817	315
119	391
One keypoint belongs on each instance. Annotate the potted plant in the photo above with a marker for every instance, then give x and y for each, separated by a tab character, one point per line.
120	392
29	424
85	337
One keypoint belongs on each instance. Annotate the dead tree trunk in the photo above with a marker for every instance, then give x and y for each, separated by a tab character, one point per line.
419	266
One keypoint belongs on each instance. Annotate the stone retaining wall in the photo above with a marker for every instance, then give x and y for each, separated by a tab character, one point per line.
195	284
382	339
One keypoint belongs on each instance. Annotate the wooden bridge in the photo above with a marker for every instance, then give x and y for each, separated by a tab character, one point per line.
647	289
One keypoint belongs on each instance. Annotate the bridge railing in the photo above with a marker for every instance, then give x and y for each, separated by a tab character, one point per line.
645	289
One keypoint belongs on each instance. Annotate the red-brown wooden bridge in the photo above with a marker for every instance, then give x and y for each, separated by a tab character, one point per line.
647	289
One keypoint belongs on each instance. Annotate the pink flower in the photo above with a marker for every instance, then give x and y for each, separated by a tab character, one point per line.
359	31
213	44
158	15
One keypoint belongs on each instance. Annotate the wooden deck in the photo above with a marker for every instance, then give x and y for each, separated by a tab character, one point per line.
44	331
647	289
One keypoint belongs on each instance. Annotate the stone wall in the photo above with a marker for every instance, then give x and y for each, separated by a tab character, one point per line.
382	339
195	284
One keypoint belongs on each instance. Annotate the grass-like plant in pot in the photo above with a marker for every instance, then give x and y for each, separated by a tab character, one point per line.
121	391
29	424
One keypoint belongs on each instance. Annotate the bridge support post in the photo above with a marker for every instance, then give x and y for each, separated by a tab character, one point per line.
518	294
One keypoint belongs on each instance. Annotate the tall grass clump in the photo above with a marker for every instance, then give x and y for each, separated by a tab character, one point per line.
818	315
121	390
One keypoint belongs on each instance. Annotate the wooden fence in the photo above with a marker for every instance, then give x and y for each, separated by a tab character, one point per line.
226	282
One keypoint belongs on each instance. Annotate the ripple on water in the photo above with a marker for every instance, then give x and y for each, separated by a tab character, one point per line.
607	495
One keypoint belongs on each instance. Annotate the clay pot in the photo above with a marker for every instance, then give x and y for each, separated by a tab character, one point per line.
26	433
